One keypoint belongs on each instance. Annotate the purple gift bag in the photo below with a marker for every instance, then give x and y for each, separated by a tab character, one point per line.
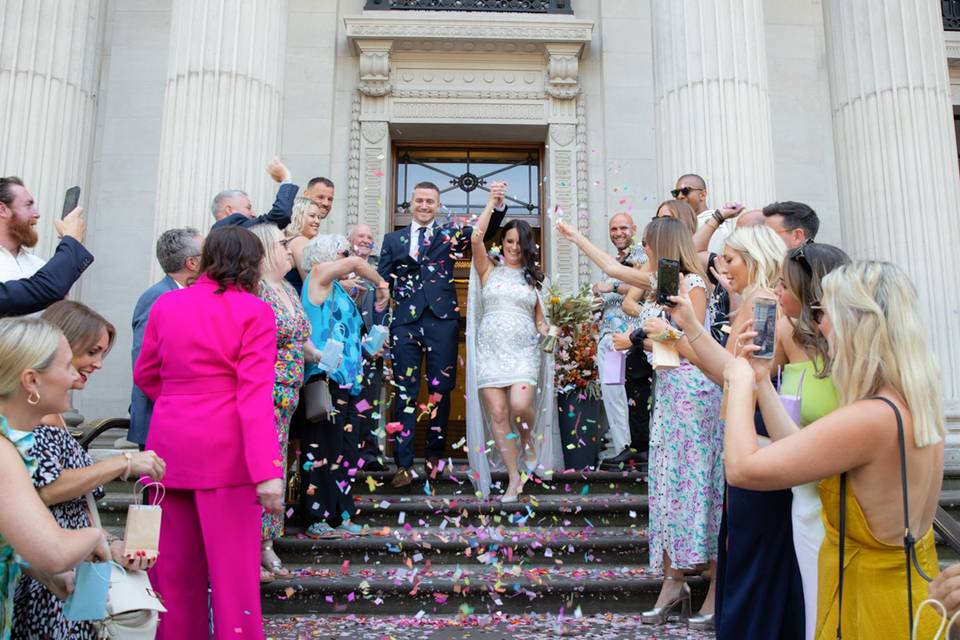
613	369
792	403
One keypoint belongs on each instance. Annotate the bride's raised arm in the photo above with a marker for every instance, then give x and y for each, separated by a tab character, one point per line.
481	261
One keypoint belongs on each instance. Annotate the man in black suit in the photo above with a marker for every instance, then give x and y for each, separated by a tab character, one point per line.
418	263
54	279
233	206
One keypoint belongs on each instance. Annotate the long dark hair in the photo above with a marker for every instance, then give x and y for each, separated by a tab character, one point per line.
803	271
231	256
529	254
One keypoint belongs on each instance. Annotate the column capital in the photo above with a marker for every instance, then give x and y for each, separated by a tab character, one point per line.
374	67
563	69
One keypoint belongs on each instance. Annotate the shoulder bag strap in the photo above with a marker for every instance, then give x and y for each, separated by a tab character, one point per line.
843	536
909	543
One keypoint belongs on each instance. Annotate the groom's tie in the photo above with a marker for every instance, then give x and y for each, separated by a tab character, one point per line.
422	244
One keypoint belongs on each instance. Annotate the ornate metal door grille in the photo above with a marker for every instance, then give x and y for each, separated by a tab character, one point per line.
464	175
501	6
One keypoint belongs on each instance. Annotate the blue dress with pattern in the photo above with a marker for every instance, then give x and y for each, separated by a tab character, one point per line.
11	564
336	317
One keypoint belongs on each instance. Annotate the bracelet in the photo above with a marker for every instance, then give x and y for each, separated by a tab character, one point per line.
718	216
696	337
129	457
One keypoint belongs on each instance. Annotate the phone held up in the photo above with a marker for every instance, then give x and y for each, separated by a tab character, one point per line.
668	280
70	201
765	324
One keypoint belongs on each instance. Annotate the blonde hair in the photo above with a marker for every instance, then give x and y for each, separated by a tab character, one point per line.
763	251
298	218
273	254
25	343
878	339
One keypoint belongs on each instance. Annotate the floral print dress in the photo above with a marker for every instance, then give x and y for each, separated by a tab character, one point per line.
38	613
293	328
11	564
686	462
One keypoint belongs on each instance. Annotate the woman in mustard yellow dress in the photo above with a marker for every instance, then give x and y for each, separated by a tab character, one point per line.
883	368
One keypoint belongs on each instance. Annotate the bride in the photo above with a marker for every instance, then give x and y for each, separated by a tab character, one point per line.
509	379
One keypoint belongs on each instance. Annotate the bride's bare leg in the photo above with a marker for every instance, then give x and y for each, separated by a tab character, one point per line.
495	400
522	399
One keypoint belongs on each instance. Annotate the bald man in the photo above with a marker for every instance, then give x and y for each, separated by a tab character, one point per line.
627	430
365	409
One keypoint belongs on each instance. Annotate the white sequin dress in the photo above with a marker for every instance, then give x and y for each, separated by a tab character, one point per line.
508	345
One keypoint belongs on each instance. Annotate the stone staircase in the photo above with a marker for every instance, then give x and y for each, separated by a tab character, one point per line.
576	544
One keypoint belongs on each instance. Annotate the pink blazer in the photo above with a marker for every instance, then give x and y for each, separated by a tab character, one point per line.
207	362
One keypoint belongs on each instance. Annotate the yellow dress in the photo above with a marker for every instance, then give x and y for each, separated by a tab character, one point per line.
874	578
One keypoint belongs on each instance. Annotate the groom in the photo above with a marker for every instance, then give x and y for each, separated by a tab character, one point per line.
418	263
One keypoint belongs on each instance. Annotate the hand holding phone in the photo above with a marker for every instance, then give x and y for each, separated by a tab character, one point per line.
668	280
765	324
70	201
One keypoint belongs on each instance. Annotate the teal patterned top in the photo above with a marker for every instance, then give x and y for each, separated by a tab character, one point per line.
337	317
11	564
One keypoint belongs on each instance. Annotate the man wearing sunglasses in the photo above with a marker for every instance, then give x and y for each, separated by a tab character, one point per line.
692	189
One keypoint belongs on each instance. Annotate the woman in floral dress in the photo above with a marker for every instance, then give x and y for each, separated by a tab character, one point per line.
293	333
686	446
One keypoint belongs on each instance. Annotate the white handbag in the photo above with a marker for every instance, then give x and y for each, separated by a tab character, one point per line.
133	607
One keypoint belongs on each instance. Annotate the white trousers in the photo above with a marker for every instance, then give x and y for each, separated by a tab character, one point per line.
808	535
614	404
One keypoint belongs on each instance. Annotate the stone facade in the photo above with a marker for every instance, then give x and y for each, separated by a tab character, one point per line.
153	106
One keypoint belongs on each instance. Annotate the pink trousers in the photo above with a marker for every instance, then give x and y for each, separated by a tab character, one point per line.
209	536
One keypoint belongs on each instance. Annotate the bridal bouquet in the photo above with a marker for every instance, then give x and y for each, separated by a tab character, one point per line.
574	323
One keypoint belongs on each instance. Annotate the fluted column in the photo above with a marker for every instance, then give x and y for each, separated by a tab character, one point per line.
712	108
50	53
222	109
896	153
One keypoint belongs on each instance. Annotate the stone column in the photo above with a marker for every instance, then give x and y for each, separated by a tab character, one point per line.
896	156
712	109
222	115
50	53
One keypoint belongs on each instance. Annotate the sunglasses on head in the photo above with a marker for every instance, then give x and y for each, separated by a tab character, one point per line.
799	256
684	191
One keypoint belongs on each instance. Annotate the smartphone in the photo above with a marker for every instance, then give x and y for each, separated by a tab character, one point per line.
765	324
668	280
70	201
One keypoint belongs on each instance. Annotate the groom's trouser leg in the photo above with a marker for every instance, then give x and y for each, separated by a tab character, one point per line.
442	338
407	355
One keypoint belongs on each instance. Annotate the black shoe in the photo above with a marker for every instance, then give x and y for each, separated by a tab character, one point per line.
374	464
626	458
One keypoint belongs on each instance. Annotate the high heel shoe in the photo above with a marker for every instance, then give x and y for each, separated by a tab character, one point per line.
660	615
705	622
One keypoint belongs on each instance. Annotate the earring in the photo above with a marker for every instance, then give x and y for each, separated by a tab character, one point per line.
32	400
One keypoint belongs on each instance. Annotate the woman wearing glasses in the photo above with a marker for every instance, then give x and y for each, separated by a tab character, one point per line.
802	350
293	344
879	457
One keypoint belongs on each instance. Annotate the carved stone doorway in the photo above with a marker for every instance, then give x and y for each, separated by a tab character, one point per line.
464	173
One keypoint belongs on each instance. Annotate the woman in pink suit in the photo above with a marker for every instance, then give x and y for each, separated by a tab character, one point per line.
208	364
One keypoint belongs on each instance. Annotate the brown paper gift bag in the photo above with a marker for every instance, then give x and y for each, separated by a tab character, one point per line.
665	356
142	535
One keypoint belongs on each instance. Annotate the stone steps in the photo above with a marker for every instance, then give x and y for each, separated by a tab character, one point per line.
484	545
461	588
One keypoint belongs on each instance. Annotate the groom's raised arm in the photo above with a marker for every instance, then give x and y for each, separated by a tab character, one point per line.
387	259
